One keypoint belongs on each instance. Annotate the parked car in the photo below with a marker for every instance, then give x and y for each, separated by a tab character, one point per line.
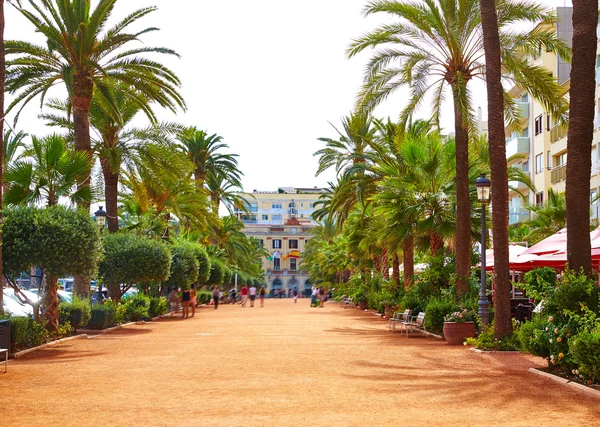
64	296
13	306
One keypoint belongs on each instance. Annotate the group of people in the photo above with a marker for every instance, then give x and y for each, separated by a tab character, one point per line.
318	297
187	301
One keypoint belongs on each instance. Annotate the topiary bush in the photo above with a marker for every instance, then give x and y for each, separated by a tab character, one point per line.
102	316
184	266
158	306
77	313
203	297
133	309
436	310
585	350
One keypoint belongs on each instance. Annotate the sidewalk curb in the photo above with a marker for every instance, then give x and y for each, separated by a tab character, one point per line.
96	332
476	350
51	343
579	388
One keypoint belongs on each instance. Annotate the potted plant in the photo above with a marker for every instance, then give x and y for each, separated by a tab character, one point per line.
387	307
459	326
361	298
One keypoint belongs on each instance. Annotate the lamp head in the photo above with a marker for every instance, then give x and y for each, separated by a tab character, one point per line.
100	215
483	188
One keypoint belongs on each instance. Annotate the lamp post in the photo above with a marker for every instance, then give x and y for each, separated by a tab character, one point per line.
101	215
483	195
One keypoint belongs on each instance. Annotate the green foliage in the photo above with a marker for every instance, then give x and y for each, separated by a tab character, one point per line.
436	310
27	333
539	284
532	336
133	309
204	265
103	316
217	273
130	259
486	341
584	348
203	297
158	306
77	313
418	295
572	291
461	316
184	266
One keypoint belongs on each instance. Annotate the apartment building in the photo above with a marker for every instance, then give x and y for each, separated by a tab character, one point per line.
282	221
539	147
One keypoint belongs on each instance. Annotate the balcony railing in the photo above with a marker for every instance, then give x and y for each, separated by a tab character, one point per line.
557	133
523	109
517	214
558	174
518	145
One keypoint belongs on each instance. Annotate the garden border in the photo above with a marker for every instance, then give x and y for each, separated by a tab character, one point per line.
511	352
96	332
51	343
580	388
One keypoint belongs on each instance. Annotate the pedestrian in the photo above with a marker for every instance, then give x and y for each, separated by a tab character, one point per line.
262	293
185	298
252	292
295	296
216	296
193	300
313	297
173	301
330	295
321	297
232	295
244	294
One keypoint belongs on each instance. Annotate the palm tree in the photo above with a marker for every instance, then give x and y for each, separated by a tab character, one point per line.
549	218
13	146
580	134
87	59
220	189
202	150
50	170
438	43
495	97
2	81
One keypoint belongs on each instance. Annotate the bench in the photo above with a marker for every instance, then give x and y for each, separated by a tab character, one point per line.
415	323
5	351
398	317
348	301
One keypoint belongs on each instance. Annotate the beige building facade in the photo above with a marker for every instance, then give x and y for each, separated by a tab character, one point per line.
282	221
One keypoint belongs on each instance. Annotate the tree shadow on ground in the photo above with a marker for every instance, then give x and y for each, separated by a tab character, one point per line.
50	355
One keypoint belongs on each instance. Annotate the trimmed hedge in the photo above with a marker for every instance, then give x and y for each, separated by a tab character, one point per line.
77	313
102	316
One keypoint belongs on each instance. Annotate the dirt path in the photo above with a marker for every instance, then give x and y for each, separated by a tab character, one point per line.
282	365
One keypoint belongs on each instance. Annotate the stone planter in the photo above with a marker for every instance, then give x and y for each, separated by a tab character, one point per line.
362	305
456	333
387	311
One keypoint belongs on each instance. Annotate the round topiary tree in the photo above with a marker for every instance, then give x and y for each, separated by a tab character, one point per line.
184	266
58	240
130	259
217	272
203	263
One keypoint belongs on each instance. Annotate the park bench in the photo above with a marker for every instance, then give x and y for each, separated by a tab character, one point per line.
398	317
5	351
415	323
348	302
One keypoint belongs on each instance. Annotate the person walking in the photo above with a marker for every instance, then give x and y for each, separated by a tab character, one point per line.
252	292
185	298
313	297
244	294
295	296
262	293
193	300
216	296
321	297
232	295
173	301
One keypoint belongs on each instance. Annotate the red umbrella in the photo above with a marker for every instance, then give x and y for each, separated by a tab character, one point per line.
555	243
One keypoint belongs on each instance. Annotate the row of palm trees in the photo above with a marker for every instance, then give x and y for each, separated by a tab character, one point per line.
163	181
398	185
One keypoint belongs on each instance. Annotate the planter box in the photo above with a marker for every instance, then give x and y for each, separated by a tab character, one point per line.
456	333
362	305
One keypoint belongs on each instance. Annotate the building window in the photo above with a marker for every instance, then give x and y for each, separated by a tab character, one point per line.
276	206
301	205
262	242
539	199
549	160
293	264
293	244
253	207
593	196
539	163
277	264
277	217
276	243
265	217
547	121
538	125
310	205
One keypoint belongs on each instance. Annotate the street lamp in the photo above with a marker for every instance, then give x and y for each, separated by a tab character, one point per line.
483	195
101	215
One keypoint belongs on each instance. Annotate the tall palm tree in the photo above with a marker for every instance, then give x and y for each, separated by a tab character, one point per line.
2	81
14	144
79	53
221	190
580	134
437	44
202	150
495	98
50	170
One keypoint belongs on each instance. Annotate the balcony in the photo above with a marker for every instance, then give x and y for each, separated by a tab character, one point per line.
557	133
517	214
523	108
516	185
518	145
598	75
558	174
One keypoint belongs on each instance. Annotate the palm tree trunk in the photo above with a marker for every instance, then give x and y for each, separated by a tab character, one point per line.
385	264
51	303
199	177
497	148
436	243
396	269
111	194
83	88
580	134
2	78
408	258
377	262
463	202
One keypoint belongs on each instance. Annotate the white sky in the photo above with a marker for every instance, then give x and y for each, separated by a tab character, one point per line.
267	75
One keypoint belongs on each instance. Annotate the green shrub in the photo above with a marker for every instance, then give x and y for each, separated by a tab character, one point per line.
158	306
585	350
203	297
26	333
133	309
532	336
539	284
486	341
435	311
570	293
102	316
77	313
